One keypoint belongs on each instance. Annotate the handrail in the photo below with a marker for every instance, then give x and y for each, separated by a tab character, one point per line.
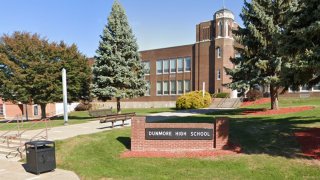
32	126
8	122
20	123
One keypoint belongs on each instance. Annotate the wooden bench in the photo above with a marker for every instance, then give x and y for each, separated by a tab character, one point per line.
117	117
100	112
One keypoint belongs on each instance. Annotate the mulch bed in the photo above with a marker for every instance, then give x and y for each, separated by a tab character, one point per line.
288	110
233	150
257	102
309	141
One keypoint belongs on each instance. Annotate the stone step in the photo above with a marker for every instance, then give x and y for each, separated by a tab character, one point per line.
12	147
226	103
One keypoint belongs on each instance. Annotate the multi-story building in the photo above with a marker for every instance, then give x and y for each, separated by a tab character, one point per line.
176	70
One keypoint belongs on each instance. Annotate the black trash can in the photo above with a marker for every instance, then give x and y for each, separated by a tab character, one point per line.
40	156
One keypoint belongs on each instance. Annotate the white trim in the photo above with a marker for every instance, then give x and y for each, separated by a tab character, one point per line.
219	37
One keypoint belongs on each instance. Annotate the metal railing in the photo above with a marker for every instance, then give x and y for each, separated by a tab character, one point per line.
21	130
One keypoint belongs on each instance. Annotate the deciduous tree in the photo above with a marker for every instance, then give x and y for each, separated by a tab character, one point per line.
30	70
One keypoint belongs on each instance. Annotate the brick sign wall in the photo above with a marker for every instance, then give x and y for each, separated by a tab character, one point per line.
178	136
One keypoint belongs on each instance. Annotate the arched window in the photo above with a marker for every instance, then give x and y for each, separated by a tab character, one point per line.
220	26
227	28
219	52
230	30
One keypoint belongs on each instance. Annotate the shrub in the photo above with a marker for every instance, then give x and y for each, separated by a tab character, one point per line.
83	107
254	94
193	100
222	95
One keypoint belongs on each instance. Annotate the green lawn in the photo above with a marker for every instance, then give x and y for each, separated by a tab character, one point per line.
270	151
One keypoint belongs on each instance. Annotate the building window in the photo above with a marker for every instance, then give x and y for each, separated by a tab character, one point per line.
219	52
1	109
147	67
166	64
219	75
227	28
159	88
187	64
220	26
180	65
35	110
166	87
187	86
173	87
173	65
316	87
159	67
180	87
147	93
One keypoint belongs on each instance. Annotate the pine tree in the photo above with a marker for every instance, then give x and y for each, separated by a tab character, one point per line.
260	62
301	41
30	70
118	71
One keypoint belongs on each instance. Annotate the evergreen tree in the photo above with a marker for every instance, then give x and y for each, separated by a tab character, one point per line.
30	70
260	62
118	71
301	41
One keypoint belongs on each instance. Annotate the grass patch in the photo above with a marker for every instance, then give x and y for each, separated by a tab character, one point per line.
270	151
96	156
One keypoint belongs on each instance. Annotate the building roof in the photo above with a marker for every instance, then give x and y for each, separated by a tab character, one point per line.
224	10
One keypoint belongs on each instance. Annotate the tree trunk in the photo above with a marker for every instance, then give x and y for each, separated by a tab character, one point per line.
274	97
43	111
118	105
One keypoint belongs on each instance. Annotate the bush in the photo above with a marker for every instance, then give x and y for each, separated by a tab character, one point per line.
222	95
193	100
83	107
254	94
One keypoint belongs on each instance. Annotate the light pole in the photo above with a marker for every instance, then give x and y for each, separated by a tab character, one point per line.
65	99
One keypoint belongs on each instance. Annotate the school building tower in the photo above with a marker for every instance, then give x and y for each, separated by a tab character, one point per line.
177	70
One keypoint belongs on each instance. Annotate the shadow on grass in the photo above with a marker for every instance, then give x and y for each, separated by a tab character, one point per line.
72	118
272	135
264	135
126	141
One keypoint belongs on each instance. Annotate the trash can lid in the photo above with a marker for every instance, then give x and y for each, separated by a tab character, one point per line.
39	143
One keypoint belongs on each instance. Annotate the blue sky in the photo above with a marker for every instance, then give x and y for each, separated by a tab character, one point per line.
155	23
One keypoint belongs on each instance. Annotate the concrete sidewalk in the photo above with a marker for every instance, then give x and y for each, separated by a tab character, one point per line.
181	113
15	171
65	132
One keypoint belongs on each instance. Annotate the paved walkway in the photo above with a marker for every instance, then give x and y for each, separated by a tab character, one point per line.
182	113
10	169
15	171
65	132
